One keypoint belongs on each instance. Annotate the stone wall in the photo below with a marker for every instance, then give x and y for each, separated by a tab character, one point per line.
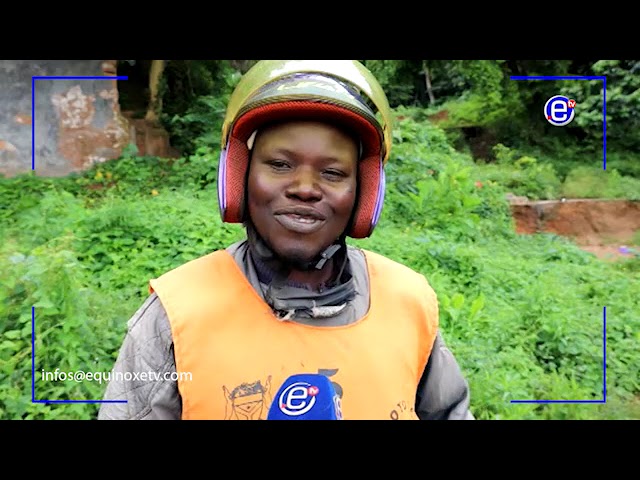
76	123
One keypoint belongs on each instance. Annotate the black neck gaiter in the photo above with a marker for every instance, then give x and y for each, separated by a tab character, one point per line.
286	297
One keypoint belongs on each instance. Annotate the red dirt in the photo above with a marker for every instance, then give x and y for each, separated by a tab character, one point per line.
598	226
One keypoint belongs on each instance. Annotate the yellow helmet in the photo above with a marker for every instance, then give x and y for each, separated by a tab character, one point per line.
340	91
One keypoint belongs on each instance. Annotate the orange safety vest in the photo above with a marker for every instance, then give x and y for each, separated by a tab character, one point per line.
232	353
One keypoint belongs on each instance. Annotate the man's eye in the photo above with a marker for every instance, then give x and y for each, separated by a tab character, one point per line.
334	174
278	164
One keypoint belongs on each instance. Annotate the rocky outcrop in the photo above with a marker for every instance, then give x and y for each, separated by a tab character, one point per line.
587	221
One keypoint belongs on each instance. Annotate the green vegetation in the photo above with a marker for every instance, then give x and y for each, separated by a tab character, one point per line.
523	314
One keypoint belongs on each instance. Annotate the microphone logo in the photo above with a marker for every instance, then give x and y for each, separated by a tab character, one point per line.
298	398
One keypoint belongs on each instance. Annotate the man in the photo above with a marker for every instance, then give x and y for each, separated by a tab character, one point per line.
304	146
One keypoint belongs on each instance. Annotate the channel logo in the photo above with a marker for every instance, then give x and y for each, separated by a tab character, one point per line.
298	398
559	110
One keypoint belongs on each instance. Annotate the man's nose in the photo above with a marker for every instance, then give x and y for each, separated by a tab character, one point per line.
304	185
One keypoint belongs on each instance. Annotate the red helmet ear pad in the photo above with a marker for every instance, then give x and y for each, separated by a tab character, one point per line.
234	159
370	197
234	162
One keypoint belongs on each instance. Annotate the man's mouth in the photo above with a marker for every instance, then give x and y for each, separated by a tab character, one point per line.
301	211
302	218
299	223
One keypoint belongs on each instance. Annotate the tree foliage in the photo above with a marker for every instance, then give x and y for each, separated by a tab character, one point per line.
468	98
622	103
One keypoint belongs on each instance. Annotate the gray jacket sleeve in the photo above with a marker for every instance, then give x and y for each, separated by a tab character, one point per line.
443	392
142	374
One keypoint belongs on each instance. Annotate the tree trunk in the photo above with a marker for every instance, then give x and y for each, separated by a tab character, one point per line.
155	101
427	79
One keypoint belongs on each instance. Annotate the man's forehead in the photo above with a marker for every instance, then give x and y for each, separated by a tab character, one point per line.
286	132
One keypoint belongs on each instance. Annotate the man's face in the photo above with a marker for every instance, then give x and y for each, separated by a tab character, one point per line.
302	187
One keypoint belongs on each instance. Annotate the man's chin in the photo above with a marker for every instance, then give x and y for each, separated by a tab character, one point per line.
298	259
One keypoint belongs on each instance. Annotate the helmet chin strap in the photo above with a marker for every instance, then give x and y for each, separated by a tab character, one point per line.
325	255
288	298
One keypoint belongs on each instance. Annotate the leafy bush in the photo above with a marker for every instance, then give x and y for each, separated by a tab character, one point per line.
521	175
593	182
76	329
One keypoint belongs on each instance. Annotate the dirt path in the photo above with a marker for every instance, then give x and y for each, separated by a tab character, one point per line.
605	228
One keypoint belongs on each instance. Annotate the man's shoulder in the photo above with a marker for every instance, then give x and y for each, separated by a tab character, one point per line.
403	283
200	274
216	257
389	265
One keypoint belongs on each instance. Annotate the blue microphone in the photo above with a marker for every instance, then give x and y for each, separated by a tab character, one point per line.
306	396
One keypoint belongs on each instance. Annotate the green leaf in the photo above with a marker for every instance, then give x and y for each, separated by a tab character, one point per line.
44	303
10	346
477	305
457	300
12	334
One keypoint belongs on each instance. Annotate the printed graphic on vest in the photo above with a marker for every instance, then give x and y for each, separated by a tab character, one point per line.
251	400
403	411
248	401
